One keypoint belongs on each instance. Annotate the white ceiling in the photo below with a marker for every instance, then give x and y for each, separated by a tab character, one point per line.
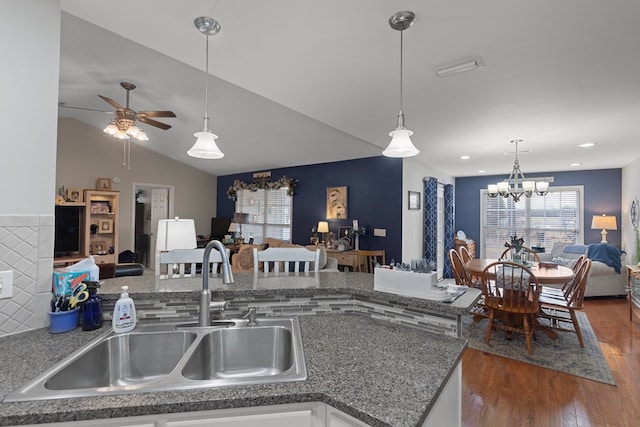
300	81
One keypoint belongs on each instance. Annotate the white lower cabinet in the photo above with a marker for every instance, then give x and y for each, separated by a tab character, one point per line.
313	414
446	411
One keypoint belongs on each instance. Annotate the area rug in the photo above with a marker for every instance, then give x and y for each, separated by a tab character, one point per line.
564	354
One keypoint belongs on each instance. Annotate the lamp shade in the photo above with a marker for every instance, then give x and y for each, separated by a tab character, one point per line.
603	222
205	146
400	145
241	218
323	227
176	234
234	228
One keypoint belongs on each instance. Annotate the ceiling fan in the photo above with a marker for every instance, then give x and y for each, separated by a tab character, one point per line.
123	124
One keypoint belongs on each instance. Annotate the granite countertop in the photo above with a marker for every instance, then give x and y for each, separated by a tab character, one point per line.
379	372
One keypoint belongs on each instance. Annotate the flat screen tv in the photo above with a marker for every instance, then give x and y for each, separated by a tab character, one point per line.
67	231
219	227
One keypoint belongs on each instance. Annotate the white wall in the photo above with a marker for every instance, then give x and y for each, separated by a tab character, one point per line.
29	42
86	153
630	190
413	174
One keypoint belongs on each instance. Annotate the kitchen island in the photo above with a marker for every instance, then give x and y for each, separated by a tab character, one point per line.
381	372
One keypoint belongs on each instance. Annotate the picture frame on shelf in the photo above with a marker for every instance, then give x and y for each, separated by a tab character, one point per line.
344	231
414	200
98	247
100	207
105	226
74	195
103	184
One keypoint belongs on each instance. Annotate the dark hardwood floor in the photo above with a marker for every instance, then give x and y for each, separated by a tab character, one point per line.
502	392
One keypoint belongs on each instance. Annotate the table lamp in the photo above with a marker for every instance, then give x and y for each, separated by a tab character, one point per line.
323	227
240	218
234	228
605	223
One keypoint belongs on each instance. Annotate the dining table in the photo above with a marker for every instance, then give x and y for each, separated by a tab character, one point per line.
553	275
556	275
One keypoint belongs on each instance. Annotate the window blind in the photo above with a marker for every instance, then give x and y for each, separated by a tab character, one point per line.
270	214
540	220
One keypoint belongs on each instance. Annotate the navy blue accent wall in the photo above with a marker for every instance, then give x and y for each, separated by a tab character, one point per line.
374	198
602	194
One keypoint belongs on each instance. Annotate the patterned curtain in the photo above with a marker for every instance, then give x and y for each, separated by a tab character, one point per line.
430	219
449	212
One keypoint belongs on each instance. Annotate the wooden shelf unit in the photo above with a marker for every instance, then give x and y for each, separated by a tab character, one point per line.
102	211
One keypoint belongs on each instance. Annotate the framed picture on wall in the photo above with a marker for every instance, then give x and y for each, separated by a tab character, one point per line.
414	200
337	203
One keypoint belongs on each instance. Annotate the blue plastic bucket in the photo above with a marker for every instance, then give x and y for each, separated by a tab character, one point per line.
63	321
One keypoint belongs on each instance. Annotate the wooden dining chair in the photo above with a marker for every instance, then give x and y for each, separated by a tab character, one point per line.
465	254
527	254
561	310
371	258
460	274
511	292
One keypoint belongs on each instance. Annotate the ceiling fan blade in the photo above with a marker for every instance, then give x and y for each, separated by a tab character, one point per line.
155	123
64	105
112	102
157	113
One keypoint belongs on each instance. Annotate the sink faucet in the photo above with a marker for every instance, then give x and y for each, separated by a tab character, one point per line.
227	277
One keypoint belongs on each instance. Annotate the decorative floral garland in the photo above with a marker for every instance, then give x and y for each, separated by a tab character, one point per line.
290	183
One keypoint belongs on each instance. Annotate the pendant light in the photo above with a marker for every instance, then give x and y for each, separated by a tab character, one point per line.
205	146
401	145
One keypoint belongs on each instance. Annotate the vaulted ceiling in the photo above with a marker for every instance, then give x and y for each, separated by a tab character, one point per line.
297	82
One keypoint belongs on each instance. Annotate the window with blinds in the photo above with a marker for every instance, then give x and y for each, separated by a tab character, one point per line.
270	214
540	220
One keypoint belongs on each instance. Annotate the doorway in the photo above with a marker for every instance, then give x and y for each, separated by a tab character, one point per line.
152	202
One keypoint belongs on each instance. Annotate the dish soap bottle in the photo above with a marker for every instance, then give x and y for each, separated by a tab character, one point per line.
124	313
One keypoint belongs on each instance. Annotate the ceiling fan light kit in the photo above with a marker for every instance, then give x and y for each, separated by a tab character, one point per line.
401	145
122	126
205	146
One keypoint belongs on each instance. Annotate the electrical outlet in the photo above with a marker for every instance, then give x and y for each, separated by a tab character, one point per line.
6	284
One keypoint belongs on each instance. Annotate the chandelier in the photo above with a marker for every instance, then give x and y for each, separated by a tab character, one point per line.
520	184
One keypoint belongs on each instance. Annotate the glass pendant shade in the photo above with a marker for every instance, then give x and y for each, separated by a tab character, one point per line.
205	146
400	145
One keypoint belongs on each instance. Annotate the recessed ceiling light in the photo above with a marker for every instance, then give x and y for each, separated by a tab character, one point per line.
482	171
465	157
574	164
587	144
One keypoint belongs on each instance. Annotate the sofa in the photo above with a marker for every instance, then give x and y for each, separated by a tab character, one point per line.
606	277
243	259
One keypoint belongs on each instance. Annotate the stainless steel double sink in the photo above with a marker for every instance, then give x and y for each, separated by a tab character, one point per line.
160	357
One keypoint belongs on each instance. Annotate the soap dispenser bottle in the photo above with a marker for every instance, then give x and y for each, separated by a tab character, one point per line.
124	313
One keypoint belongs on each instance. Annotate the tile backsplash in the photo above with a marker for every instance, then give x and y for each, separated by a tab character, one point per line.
26	248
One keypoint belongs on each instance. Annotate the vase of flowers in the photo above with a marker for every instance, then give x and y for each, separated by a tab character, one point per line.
516	245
